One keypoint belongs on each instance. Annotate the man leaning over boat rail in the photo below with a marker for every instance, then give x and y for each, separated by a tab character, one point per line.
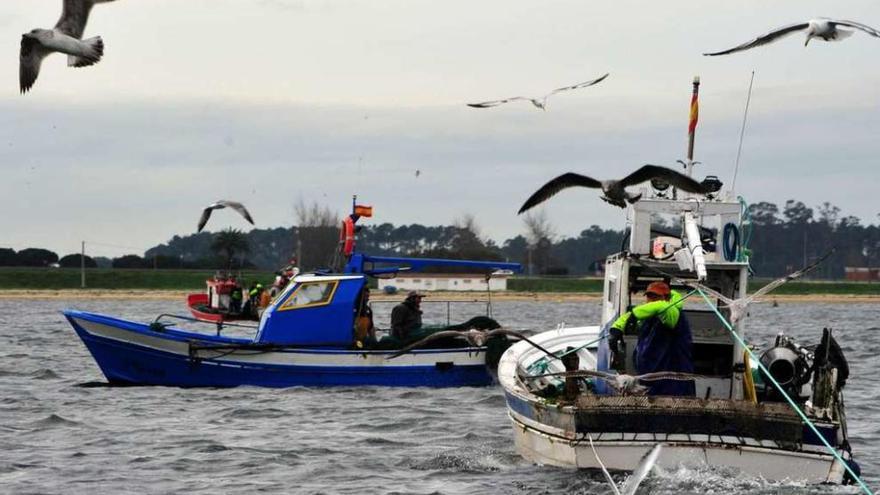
664	338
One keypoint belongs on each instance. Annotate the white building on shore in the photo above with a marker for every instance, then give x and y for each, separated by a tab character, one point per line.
446	282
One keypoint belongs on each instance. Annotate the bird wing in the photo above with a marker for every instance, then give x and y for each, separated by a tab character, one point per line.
791	276
74	17
644	467
764	39
676	179
206	214
859	26
495	103
29	61
235	205
578	85
429	338
564	181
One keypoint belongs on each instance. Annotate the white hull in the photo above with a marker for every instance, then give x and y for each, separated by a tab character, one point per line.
767	463
548	434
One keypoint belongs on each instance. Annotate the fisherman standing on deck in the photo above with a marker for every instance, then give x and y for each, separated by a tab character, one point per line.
664	339
406	317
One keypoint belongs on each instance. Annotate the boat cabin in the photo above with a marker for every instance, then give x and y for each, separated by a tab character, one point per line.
314	310
652	256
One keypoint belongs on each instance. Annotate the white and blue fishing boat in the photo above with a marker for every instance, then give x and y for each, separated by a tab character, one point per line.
305	337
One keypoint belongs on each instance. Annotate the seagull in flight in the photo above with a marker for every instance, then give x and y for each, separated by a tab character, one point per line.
539	101
614	191
823	28
65	37
476	338
737	307
219	205
622	383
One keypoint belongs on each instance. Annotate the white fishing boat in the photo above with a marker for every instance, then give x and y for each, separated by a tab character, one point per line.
776	413
737	418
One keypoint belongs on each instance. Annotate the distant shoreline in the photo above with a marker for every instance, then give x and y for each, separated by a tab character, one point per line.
180	295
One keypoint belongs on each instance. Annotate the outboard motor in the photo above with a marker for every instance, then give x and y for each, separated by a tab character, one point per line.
789	364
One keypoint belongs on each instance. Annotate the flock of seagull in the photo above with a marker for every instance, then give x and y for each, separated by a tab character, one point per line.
67	38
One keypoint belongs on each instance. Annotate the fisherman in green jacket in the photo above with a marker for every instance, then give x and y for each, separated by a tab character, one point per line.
664	342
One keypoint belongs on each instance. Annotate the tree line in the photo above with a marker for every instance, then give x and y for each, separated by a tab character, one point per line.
780	240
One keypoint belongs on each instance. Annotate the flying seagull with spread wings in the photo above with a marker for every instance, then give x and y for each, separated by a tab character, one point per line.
738	307
822	28
219	205
65	38
622	383
476	338
614	191
538	101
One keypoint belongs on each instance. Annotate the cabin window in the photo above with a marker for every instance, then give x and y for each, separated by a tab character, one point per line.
310	294
467	281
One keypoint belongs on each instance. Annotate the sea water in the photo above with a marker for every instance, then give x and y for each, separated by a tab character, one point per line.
61	432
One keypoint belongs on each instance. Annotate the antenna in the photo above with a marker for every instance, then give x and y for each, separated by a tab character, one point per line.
742	132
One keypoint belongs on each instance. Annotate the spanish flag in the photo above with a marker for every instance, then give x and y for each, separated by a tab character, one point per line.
363	211
695	107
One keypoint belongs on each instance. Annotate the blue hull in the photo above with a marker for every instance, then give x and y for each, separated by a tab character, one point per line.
135	354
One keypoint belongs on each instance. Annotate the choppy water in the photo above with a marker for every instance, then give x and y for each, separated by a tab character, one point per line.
58	436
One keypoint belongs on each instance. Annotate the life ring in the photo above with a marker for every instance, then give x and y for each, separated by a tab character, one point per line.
730	242
346	236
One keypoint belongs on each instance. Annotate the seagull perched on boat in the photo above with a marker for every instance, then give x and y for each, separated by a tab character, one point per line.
476	338
738	307
65	37
539	101
614	191
219	205
822	28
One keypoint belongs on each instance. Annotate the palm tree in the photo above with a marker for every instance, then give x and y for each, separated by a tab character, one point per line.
228	242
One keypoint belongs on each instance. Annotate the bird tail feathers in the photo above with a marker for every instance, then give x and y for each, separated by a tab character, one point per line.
842	34
92	51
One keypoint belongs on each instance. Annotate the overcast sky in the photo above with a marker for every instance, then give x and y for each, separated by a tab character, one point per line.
269	101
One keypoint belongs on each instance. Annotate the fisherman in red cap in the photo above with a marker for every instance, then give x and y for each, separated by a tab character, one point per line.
664	339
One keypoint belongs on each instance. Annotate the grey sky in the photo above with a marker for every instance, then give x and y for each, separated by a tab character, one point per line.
268	101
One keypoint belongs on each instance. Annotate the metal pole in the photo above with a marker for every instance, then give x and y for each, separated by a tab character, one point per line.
82	265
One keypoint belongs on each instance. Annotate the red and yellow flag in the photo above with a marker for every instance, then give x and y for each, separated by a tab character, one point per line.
363	211
695	109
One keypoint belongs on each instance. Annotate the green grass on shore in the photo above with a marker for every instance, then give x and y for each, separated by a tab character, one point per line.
105	278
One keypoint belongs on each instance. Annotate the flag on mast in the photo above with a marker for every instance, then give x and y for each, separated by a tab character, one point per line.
695	107
692	126
363	211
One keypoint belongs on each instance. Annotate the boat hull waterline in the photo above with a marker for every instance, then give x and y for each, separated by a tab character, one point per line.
624	455
559	434
134	353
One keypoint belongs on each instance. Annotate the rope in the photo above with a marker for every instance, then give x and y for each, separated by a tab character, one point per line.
787	397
